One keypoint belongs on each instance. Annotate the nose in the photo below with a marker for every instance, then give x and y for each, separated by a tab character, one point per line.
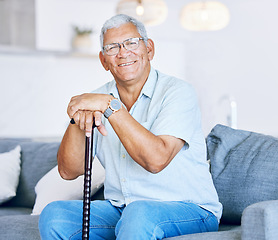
122	51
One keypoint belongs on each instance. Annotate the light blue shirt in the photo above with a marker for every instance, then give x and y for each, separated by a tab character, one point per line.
166	106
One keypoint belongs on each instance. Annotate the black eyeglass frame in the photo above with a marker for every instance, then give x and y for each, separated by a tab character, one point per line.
120	45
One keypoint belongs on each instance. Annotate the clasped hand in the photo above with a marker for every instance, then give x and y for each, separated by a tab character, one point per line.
87	109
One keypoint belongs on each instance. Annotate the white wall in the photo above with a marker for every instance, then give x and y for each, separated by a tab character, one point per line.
238	61
37	90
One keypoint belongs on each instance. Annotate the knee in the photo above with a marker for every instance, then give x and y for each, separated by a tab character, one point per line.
48	219
135	216
47	213
138	221
141	209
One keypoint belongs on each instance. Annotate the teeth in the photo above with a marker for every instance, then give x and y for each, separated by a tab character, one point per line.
126	64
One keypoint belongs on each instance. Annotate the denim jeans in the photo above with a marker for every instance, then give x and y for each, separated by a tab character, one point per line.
139	220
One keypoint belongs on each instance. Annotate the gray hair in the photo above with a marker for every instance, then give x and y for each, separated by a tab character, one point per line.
119	20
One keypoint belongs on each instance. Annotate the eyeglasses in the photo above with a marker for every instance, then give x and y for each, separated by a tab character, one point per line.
129	44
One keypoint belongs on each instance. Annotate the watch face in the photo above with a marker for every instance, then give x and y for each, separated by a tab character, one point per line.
115	104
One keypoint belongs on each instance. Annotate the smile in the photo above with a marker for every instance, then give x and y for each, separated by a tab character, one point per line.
126	64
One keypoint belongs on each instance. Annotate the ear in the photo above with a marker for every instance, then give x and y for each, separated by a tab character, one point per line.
150	49
103	61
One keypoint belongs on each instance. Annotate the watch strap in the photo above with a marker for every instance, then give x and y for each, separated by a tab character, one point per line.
108	112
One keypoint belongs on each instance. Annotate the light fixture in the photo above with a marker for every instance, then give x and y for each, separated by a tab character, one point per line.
139	8
150	12
205	16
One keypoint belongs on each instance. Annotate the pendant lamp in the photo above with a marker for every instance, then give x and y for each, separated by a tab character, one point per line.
150	12
205	16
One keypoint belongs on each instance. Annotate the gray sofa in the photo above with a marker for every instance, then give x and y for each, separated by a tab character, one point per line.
244	169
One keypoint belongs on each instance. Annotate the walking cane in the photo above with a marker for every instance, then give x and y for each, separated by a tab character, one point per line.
87	184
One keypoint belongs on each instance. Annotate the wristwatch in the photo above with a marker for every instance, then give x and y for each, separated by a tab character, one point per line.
113	106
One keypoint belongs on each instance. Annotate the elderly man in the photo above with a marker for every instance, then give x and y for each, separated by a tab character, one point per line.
149	141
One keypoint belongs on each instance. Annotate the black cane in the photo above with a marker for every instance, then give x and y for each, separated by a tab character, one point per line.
87	184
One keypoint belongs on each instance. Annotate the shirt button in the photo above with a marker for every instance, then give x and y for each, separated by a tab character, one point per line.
123	180
123	156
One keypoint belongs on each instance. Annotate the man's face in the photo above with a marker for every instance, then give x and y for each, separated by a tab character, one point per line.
127	66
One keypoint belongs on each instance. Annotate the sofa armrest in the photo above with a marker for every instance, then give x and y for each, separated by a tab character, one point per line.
260	220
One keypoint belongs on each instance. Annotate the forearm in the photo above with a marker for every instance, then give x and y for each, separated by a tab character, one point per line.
150	151
71	153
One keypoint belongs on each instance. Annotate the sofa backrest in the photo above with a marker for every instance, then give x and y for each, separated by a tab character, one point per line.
37	158
244	168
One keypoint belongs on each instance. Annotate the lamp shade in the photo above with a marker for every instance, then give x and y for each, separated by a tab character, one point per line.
205	16
150	12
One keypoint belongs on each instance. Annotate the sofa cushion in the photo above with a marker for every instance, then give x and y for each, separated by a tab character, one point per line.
52	187
8	211
7	144
227	235
244	167
23	227
9	173
37	158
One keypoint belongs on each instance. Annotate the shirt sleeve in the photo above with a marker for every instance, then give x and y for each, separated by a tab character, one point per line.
179	115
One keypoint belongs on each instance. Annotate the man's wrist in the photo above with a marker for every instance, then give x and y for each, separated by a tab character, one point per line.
105	102
114	105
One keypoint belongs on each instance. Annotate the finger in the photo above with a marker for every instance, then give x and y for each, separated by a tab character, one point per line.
76	118
82	119
71	110
73	105
89	123
97	118
101	128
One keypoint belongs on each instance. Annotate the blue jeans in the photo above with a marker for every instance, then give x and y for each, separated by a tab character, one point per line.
139	220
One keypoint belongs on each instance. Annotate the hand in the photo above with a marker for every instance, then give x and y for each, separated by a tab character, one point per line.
88	102
100	127
84	119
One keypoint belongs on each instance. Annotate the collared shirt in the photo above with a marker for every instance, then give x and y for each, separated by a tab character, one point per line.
165	106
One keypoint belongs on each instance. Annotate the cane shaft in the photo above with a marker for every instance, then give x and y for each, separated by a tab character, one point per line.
87	183
87	186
